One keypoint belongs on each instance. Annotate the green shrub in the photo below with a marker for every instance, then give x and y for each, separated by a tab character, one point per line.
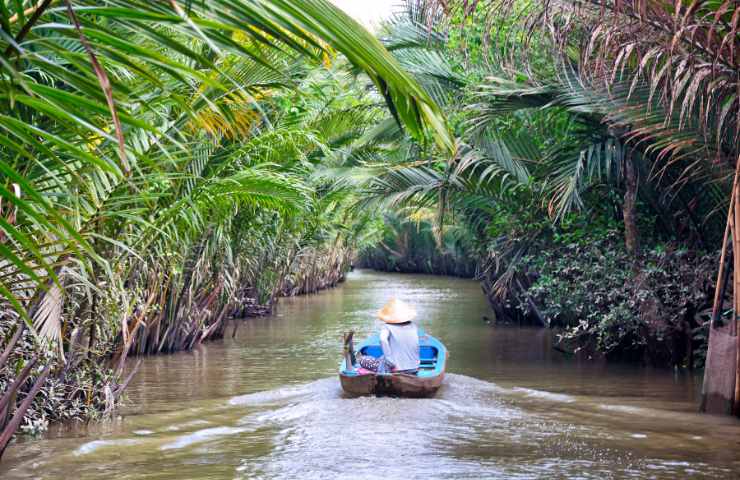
653	306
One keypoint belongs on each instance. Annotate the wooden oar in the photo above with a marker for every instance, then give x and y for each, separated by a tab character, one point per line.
349	350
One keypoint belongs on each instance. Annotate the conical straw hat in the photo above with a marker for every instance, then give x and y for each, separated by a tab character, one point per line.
397	311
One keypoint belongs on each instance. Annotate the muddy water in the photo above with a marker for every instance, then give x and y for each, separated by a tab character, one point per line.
267	404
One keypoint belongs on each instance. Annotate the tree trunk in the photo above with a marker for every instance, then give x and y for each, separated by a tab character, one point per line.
93	322
11	344
631	234
188	270
736	294
15	422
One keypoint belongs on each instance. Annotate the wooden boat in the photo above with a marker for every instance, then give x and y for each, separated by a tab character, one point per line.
425	383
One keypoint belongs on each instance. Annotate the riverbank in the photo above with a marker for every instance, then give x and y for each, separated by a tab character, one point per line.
88	383
651	308
253	406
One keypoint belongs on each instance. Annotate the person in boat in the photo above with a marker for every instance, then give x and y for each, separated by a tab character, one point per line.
399	339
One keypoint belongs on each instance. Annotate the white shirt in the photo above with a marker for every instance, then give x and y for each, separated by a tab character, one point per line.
400	343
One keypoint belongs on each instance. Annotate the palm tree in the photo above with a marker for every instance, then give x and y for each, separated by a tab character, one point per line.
157	70
676	99
663	75
552	131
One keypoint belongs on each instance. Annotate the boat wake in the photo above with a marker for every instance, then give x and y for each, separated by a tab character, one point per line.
470	429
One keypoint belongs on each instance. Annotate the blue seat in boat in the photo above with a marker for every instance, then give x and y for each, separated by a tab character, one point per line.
372	351
427	354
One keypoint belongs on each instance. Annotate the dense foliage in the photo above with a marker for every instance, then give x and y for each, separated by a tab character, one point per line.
409	245
161	170
652	309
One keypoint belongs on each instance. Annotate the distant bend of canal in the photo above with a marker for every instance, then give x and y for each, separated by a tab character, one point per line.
267	404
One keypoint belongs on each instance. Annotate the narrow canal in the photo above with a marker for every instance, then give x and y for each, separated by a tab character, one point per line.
267	404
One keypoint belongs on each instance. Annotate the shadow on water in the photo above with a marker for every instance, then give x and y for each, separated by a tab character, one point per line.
268	405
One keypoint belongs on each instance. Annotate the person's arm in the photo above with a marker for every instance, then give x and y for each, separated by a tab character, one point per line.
385	335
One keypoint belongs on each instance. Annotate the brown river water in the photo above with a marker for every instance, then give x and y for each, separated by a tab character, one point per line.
267	404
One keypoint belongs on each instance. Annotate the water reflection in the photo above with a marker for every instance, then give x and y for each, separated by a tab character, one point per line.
267	404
